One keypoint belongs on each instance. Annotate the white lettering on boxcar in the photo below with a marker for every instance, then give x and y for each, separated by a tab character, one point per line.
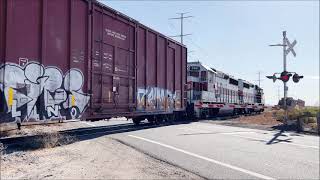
116	34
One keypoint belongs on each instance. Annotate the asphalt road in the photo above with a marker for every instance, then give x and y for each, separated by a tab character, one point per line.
215	151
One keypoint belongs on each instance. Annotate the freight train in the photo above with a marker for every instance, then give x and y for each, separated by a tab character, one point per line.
79	59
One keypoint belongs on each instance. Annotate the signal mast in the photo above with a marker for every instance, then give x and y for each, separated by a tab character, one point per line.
285	75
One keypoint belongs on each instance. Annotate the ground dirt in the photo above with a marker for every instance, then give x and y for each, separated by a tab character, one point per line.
11	130
264	121
100	158
265	118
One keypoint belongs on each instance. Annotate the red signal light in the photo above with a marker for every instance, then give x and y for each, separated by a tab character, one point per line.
285	76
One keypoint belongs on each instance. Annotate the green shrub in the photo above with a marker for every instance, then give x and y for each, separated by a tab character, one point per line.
304	120
314	126
312	120
294	114
311	111
307	114
279	115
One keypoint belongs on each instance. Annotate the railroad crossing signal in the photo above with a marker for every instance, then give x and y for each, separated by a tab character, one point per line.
285	76
290	47
296	78
273	77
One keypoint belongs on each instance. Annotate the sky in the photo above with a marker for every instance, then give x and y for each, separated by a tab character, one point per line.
234	37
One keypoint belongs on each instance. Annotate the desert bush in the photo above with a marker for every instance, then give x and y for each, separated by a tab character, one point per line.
49	140
279	115
314	126
2	148
305	119
312	120
310	111
295	114
308	114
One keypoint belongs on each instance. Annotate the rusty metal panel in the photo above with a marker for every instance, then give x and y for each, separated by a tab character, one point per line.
141	68
57	33
151	70
161	73
178	78
22	39
3	17
170	77
79	38
184	77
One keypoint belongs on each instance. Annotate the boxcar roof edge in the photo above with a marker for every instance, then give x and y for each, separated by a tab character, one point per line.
134	20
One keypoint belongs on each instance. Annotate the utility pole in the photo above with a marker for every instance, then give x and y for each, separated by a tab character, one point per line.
259	78
182	17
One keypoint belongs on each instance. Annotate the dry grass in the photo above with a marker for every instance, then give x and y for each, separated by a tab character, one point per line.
2	148
307	115
47	140
50	140
265	118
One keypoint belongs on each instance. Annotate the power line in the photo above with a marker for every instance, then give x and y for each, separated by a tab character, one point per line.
173	27
199	47
182	17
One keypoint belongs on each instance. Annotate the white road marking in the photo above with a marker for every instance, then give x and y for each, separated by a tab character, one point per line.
205	131
194	130
259	139
294	144
88	123
205	158
240	132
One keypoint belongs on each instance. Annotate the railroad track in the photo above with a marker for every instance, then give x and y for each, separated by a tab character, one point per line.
81	133
93	132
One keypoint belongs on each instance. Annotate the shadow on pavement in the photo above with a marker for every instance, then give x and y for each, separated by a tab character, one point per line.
283	127
275	139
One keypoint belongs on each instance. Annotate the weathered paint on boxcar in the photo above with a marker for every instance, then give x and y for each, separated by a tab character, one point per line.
68	59
44	59
160	72
113	62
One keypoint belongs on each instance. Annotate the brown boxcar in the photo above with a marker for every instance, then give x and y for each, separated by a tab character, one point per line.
71	59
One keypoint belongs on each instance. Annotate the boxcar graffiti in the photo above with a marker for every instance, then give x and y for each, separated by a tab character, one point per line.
36	92
153	98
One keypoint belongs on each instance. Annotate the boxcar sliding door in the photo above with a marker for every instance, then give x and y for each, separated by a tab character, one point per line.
113	62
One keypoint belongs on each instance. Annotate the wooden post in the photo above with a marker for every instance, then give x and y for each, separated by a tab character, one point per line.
299	125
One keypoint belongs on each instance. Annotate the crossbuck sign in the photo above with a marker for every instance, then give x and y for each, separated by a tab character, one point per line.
290	47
